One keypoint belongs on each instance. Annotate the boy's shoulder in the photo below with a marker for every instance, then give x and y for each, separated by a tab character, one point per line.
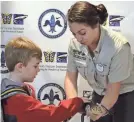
10	88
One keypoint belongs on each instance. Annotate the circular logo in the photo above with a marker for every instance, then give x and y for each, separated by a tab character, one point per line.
3	62
100	67
51	93
52	23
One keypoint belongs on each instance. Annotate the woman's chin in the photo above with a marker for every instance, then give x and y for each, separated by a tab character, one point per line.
84	43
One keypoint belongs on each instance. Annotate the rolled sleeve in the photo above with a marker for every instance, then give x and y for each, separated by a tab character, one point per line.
71	67
121	65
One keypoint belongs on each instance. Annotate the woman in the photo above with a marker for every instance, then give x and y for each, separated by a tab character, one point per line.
103	57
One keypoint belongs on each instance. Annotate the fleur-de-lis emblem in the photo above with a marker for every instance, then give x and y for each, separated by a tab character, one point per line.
51	97
52	23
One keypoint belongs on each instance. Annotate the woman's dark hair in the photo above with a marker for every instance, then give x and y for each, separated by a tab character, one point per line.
84	12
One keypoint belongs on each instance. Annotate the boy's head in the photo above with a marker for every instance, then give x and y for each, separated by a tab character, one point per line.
23	57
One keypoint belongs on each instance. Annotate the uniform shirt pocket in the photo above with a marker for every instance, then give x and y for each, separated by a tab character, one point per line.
101	74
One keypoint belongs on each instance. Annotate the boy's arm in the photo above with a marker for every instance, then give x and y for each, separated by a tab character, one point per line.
28	109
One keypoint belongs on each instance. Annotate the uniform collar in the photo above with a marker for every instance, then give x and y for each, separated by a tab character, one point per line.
84	49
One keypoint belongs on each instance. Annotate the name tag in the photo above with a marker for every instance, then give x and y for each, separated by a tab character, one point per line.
81	63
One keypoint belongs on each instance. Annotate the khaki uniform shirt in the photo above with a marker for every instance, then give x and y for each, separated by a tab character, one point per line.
112	62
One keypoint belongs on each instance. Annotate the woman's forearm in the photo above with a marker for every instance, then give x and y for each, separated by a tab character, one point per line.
111	95
70	85
70	89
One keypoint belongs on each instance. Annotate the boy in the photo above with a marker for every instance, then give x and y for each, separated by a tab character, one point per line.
22	59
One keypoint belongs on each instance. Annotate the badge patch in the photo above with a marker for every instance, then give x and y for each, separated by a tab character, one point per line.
100	67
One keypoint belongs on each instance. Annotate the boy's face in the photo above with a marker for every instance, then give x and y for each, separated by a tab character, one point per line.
30	71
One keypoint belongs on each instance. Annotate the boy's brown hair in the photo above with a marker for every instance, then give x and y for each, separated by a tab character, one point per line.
20	49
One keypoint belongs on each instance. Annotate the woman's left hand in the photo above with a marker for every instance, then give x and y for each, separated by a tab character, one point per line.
95	112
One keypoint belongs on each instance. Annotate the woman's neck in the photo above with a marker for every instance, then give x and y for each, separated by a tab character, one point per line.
93	46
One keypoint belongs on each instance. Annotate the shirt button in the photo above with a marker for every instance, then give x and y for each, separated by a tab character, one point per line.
94	58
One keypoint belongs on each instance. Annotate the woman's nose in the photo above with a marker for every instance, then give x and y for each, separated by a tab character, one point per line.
79	38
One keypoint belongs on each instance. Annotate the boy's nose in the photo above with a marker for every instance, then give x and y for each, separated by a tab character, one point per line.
38	69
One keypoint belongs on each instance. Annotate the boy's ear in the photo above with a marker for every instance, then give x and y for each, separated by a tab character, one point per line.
19	66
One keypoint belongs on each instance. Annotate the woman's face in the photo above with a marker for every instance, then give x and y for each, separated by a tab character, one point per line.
84	33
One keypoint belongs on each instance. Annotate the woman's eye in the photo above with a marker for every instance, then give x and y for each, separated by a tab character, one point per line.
83	33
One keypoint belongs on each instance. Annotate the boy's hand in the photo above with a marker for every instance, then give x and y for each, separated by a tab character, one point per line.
85	101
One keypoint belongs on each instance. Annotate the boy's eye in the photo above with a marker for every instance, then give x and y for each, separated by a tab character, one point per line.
35	66
74	34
